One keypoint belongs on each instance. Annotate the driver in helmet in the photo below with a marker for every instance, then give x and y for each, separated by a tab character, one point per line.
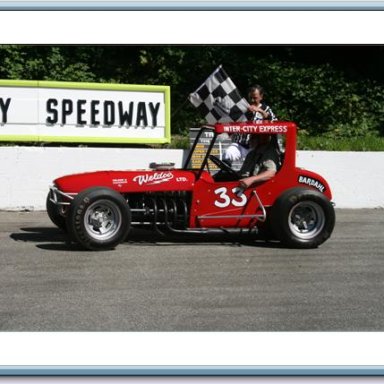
261	163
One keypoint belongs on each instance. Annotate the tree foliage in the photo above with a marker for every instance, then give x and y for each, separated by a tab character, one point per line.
334	91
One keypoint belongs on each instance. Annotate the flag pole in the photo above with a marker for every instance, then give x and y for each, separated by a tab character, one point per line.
178	109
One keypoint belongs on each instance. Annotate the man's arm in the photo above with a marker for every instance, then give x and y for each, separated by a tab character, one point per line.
251	180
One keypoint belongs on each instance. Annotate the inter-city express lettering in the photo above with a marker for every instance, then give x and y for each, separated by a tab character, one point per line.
256	129
141	114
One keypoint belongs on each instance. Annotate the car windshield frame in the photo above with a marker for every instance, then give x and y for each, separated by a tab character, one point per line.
209	149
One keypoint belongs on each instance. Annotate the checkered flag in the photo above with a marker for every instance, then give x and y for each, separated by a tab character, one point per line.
219	100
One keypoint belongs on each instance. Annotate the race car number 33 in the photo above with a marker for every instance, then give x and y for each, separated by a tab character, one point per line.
223	200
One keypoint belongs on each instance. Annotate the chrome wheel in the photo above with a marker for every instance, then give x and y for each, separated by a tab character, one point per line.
302	218
102	220
306	220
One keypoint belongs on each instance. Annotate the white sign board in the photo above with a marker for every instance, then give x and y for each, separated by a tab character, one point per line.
41	111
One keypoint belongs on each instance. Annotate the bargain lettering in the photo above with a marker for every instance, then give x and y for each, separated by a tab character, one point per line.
153	178
312	183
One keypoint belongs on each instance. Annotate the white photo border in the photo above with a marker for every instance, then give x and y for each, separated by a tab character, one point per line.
192	353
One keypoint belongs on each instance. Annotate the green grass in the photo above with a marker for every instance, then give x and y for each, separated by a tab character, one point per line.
312	143
179	142
319	143
305	142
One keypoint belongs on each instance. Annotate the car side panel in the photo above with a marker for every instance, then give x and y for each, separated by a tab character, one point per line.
218	204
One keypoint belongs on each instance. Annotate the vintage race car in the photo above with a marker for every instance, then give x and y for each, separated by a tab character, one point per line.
98	209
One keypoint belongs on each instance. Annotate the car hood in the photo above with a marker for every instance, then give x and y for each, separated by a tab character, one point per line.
129	181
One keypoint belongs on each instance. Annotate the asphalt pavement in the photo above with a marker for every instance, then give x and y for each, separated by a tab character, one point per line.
191	283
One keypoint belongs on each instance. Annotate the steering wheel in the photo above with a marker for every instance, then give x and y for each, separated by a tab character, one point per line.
223	166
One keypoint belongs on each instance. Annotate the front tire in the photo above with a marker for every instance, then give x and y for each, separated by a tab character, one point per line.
302	218
99	218
53	212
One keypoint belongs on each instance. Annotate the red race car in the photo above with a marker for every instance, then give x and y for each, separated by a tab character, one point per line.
99	208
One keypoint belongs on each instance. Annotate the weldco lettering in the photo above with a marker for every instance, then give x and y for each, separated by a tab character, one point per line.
155	178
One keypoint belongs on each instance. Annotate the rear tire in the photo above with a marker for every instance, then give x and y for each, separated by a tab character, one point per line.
99	218
302	218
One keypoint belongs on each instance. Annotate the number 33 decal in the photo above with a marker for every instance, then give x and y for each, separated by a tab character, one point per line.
224	200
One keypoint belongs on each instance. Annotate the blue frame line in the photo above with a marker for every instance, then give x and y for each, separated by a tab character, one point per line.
192	5
191	370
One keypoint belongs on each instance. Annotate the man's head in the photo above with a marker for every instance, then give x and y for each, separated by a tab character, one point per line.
256	94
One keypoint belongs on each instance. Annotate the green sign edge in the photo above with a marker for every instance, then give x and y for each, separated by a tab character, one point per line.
96	86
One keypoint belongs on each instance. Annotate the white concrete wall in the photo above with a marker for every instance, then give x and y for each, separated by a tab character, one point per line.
356	178
27	172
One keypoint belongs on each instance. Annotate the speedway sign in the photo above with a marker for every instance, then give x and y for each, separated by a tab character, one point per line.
44	111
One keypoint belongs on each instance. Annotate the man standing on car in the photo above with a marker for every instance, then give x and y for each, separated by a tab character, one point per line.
258	111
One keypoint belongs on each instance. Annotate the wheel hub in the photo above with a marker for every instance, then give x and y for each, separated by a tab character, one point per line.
306	220
102	220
